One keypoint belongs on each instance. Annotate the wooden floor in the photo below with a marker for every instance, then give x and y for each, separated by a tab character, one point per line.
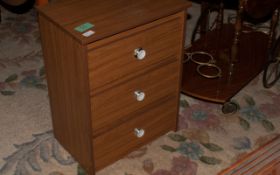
263	161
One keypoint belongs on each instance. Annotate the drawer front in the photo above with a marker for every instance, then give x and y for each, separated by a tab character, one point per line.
116	104
116	60
118	142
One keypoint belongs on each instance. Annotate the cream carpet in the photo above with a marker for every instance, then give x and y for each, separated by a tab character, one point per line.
207	142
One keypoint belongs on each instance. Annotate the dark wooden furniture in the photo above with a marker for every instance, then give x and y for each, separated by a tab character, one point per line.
239	50
109	92
218	43
203	24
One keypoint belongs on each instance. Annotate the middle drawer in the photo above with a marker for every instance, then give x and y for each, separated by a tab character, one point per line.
115	105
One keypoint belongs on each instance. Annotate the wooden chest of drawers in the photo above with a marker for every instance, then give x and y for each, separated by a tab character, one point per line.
116	88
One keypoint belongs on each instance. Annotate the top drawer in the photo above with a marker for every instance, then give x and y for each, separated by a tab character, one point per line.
161	40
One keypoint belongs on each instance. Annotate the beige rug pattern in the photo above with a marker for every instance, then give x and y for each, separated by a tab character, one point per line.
207	141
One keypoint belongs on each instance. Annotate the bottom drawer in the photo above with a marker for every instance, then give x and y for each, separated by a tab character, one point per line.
160	118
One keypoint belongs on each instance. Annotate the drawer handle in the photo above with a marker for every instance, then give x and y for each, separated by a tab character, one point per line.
139	53
139	132
139	95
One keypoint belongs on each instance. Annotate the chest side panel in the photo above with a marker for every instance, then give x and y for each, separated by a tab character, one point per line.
67	78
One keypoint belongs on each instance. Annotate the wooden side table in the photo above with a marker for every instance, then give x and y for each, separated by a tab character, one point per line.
238	51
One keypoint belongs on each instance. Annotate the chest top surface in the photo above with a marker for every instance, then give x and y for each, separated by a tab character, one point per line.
109	17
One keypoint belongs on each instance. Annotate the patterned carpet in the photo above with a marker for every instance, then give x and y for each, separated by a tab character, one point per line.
206	143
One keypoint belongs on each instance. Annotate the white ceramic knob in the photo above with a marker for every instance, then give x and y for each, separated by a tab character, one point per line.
139	132
139	95
140	53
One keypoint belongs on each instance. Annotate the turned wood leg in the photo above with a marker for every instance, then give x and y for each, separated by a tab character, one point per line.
220	17
274	22
205	21
238	28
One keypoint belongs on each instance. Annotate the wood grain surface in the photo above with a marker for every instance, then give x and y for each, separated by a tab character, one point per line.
113	106
160	41
92	80
68	89
263	161
121	140
109	17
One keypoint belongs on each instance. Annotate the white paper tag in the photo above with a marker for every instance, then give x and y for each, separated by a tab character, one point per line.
88	33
